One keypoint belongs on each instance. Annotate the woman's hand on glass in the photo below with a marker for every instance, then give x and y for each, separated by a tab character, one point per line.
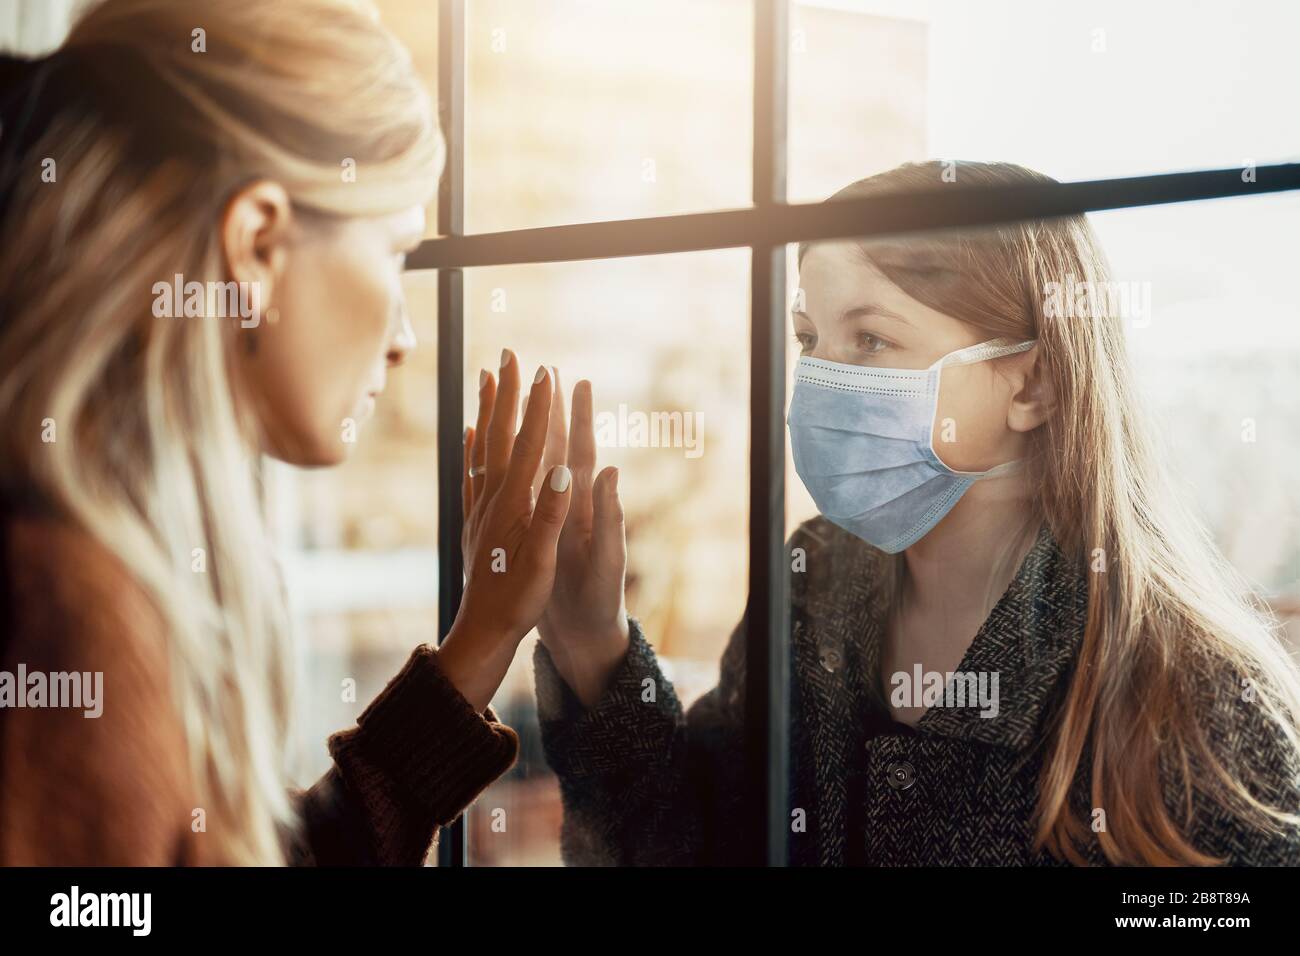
584	626
510	537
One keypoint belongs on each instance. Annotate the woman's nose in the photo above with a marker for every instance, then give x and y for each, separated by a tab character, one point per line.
403	340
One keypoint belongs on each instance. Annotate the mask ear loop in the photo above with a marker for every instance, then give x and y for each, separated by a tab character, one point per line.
1006	468
994	348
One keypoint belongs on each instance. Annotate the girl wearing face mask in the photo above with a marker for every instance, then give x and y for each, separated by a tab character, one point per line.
286	165
992	508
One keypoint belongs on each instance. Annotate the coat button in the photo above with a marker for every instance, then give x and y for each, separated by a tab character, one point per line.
830	659
901	775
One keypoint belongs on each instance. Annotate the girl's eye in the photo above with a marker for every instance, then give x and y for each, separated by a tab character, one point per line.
805	341
871	344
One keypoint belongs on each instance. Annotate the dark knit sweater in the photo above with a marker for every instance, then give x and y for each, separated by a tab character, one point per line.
116	790
645	783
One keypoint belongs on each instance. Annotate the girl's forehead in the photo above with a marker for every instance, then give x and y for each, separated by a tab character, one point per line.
842	259
832	251
839	271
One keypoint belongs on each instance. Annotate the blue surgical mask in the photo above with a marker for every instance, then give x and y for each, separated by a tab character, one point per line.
861	438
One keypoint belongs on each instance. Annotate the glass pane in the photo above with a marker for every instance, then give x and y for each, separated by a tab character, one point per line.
939	607
583	110
664	343
1076	91
1215	333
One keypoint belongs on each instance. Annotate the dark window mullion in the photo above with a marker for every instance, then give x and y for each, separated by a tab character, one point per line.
767	652
894	214
451	349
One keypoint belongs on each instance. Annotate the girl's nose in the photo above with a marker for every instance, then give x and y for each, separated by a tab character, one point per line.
828	352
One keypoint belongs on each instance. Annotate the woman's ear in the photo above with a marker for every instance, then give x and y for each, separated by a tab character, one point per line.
256	227
1032	399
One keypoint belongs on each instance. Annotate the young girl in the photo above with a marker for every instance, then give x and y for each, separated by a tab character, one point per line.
279	154
992	509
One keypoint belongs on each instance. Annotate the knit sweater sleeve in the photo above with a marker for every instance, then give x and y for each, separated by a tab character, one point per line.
418	756
644	783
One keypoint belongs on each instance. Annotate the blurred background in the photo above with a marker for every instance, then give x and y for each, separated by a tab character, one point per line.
581	110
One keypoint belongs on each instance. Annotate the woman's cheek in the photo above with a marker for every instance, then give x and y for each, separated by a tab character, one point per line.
348	356
297	394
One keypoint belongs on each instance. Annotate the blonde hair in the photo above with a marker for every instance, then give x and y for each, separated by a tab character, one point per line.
155	454
1169	621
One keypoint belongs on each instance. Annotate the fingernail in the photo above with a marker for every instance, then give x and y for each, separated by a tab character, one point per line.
560	479
613	481
482	378
505	357
541	374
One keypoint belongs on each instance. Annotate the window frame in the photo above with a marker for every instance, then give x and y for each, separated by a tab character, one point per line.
766	227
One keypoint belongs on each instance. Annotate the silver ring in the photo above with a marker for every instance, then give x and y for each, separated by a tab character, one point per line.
477	470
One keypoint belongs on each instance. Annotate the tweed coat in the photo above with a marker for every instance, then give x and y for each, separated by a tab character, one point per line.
644	783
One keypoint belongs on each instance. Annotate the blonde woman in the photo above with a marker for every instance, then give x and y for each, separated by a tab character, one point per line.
281	154
993	508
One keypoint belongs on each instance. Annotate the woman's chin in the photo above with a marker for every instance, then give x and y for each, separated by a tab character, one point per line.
318	451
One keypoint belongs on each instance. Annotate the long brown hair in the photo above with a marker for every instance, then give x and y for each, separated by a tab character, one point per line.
1167	616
